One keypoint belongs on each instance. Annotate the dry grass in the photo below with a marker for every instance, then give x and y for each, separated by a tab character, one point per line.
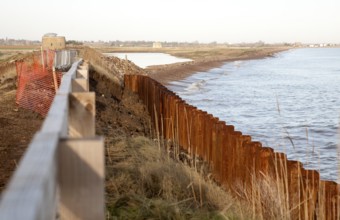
266	199
143	182
11	55
199	53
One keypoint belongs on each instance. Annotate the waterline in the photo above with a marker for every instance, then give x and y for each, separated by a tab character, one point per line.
289	102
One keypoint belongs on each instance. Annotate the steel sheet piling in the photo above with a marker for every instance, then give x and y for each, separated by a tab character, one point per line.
200	133
212	156
227	154
232	157
208	138
219	145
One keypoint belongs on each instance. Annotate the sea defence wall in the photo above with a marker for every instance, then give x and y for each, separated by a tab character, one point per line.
111	69
234	159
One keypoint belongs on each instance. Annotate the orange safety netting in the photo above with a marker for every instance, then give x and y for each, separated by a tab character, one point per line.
36	85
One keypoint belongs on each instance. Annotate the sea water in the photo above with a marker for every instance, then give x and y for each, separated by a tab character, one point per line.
290	102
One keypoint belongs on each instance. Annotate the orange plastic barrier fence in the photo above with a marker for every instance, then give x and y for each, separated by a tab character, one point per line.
233	158
36	83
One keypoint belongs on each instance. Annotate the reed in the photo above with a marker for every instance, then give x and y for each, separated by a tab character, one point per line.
143	182
262	176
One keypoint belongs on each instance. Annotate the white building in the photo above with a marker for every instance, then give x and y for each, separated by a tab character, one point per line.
157	45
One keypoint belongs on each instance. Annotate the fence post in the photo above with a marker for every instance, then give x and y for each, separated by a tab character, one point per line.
82	73
80	85
81	155
82	114
81	178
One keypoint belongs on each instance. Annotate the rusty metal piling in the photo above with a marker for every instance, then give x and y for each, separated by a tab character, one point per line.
233	158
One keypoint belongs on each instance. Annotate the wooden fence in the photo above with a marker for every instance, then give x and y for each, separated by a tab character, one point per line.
62	173
233	158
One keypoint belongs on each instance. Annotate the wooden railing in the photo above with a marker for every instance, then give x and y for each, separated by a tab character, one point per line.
62	173
233	157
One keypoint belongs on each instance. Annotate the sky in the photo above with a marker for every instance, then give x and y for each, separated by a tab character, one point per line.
223	21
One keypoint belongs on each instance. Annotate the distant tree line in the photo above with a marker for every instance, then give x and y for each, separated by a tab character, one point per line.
8	41
74	42
143	43
119	43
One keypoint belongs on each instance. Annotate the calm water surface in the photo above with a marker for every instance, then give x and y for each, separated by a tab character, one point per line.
147	59
290	102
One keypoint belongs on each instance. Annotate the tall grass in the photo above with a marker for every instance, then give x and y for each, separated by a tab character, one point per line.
272	186
144	182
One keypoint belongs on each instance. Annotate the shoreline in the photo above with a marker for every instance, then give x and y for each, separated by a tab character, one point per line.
178	71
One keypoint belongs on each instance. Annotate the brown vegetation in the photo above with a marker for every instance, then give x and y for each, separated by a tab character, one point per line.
17	127
12	53
144	181
205	59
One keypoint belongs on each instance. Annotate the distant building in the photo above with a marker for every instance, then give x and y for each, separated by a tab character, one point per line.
53	42
157	45
297	44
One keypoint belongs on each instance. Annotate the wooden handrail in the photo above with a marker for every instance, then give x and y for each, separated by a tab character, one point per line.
40	188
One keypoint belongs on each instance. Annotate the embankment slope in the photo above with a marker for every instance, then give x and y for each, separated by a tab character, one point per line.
17	126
